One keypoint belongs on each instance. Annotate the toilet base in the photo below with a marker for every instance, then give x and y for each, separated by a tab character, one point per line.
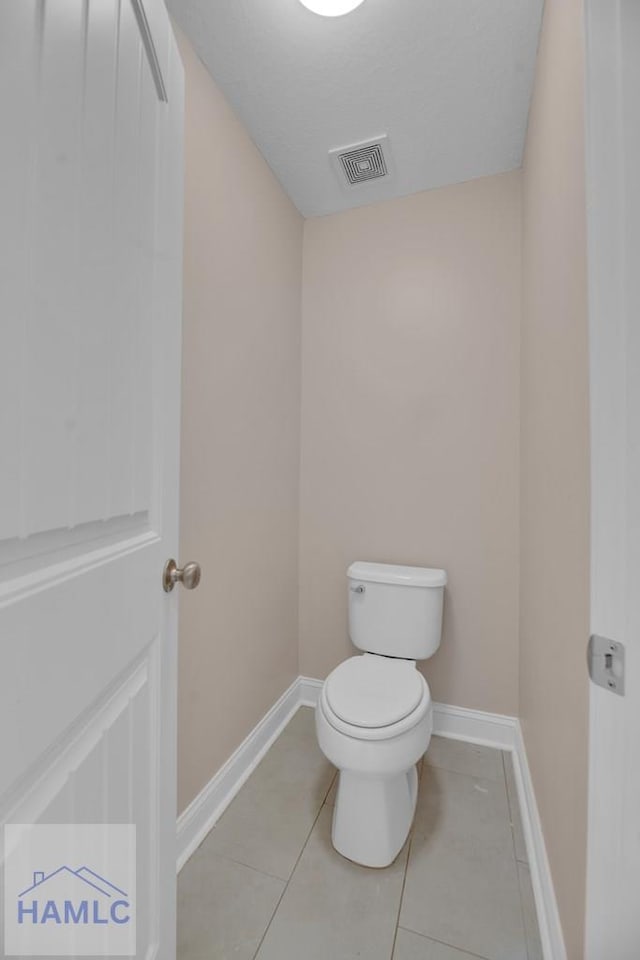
373	815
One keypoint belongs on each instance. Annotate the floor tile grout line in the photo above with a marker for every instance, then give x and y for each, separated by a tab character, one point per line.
404	881
333	780
468	776
515	852
507	759
509	804
286	886
450	768
439	766
249	866
522	910
444	943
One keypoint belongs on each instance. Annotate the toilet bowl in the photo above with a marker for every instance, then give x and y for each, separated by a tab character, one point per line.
374	716
378	784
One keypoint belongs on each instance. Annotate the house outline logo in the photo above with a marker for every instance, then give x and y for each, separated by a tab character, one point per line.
100	902
70	890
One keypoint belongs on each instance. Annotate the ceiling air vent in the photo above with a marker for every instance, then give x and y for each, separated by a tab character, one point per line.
362	162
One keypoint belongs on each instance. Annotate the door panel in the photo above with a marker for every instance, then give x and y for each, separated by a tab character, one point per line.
90	291
613	73
82	316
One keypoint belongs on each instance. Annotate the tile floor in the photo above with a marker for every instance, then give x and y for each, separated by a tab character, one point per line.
267	884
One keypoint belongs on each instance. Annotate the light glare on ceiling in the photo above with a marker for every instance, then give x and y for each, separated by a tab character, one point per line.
331	8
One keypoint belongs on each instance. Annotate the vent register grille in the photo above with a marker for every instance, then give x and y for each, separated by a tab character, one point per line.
362	162
367	163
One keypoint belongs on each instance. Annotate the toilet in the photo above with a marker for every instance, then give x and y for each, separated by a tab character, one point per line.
374	715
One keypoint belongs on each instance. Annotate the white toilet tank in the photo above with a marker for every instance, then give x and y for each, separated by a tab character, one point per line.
396	611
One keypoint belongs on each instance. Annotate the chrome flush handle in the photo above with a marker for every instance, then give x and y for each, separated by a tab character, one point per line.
358	589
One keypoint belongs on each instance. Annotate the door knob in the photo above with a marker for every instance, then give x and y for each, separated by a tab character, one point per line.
188	576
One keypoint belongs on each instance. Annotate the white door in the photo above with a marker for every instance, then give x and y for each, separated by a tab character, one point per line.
613	166
91	103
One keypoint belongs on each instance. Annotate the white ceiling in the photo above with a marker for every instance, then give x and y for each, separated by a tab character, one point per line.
448	80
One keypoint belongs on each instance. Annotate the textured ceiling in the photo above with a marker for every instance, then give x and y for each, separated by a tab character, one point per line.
448	80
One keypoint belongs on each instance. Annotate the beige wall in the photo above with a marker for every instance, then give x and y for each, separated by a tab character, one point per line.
240	435
410	422
554	596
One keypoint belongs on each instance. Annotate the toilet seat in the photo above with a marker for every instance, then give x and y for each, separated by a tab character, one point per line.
371	697
373	691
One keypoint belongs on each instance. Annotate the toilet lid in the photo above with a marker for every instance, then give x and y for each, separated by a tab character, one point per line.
374	691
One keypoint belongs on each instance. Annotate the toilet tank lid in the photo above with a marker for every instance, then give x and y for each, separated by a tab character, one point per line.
392	573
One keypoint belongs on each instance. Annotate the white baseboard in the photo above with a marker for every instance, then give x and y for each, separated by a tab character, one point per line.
551	936
309	691
458	723
474	726
196	821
